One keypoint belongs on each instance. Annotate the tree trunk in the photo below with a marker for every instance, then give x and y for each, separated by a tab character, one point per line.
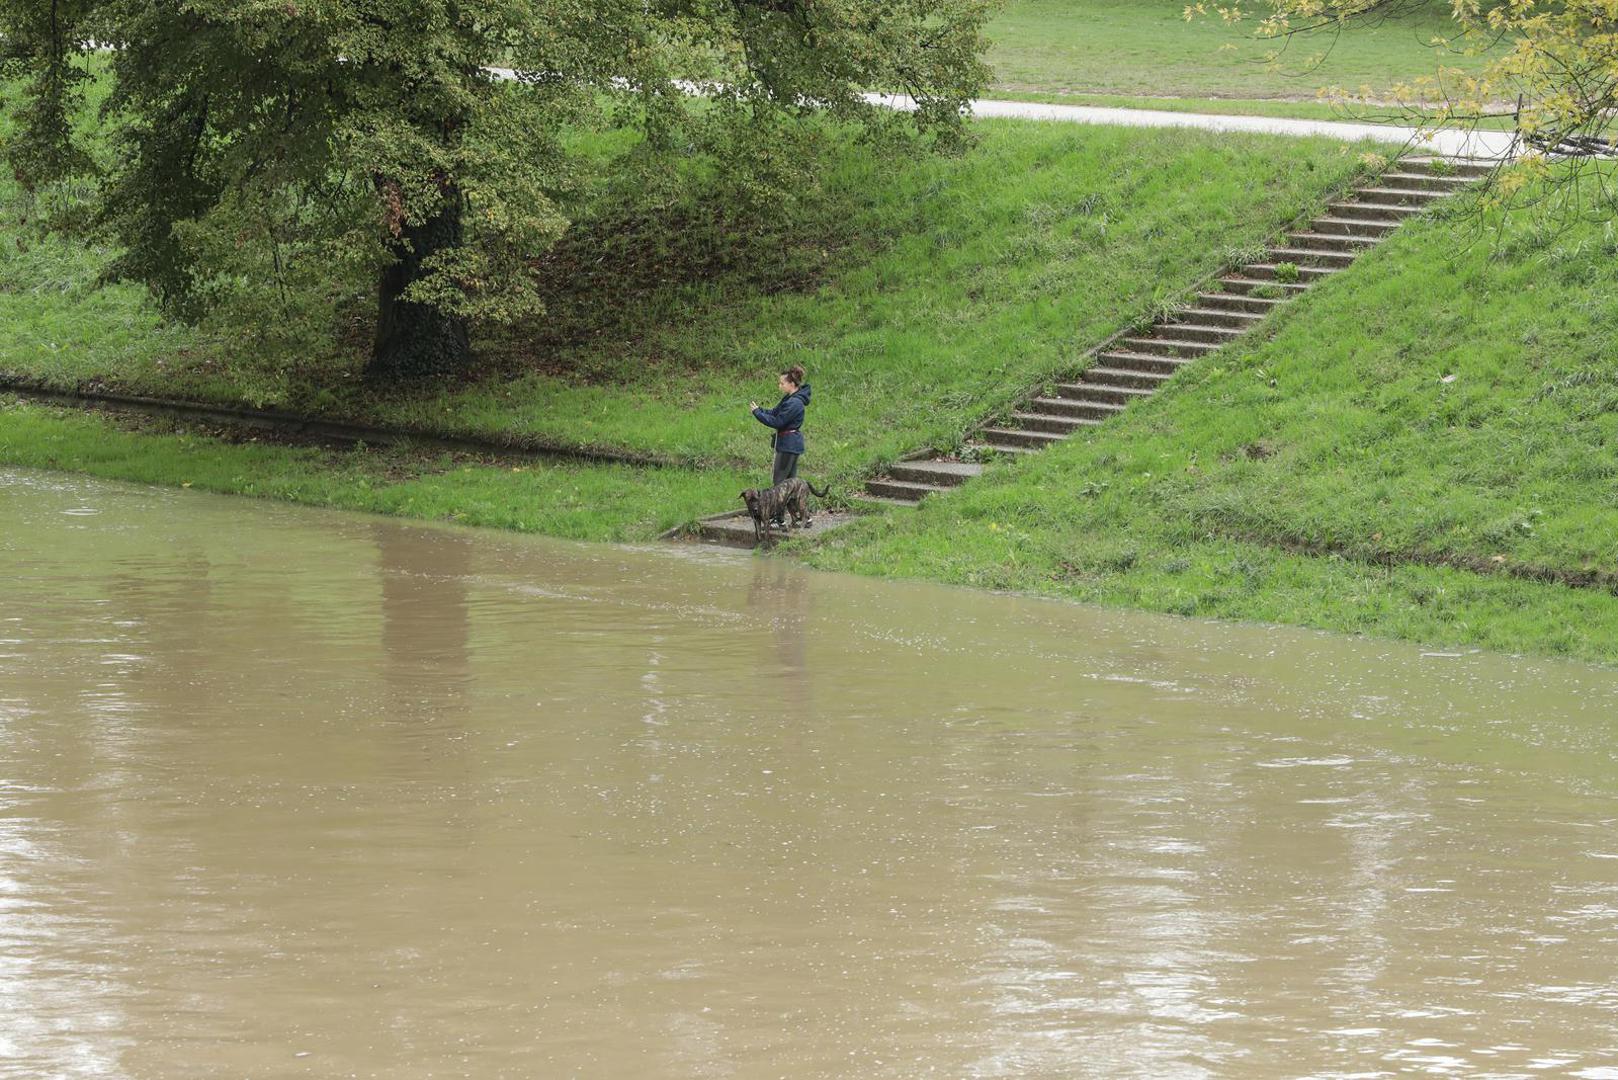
417	340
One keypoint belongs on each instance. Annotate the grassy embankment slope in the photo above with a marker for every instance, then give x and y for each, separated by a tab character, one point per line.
1404	454
1144	54
953	287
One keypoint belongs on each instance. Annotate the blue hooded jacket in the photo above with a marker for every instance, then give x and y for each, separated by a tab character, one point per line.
787	417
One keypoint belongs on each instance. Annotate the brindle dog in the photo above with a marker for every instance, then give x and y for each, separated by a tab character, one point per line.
789	496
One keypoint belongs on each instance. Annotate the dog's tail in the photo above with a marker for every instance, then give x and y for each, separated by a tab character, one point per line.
816	492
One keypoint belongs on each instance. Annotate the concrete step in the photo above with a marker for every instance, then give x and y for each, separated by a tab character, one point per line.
1125	378
735	528
1370	208
1195	331
1236	318
1120	393
1350	226
1384	195
1075	406
1264	273
1312	256
1007	449
1449	166
936	473
1236	302
730	531
1137	361
1333	241
1237	283
867	497
1018	439
1168	346
1424	180
1057	425
901	490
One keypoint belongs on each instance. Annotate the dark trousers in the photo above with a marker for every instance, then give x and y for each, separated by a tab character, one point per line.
786	467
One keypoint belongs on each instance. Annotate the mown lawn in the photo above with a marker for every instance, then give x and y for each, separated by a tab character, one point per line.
1450	402
1147	48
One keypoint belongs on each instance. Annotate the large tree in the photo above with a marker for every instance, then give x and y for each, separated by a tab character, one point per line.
429	140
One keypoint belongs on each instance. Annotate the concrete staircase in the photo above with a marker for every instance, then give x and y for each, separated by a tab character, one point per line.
1133	365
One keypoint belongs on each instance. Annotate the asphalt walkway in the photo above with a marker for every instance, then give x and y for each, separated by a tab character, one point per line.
1466	144
1489	145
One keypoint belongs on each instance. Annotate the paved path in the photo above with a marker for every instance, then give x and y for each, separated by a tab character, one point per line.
1465	144
1469	144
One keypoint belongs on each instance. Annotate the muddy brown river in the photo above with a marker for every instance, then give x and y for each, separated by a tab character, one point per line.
289	793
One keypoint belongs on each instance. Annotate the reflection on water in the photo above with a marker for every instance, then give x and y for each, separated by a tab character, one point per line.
285	793
426	670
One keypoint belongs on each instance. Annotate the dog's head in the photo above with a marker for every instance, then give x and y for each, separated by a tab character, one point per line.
750	497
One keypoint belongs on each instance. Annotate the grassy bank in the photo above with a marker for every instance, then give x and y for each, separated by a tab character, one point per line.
1147	48
1412	451
578	501
1404	454
949	287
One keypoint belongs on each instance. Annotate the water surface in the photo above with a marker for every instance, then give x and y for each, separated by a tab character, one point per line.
289	793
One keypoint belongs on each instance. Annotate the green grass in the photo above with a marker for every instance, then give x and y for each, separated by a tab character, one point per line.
952	287
1449	403
579	501
1150	566
1146	48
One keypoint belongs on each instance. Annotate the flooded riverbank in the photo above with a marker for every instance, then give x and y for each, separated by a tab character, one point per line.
294	793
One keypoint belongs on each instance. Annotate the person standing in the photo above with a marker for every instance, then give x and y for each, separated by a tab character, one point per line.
787	420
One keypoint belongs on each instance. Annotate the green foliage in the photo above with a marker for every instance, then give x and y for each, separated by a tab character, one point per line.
1163	306
264	146
1245	254
1286	273
43	90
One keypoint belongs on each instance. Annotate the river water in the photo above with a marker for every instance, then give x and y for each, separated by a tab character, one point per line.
289	793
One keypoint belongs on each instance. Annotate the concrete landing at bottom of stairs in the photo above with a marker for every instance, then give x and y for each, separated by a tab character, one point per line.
735	529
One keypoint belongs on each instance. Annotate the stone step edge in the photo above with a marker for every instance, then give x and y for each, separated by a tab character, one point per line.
1223	313
1112	372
